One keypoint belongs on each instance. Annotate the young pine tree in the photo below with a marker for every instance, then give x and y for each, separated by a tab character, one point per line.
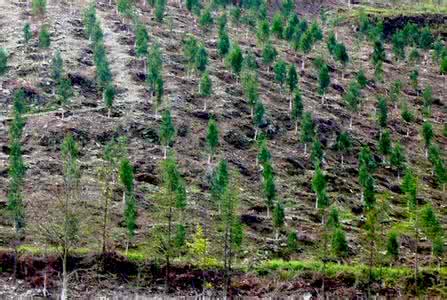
292	82
235	59
212	138
269	54
205	88
280	70
296	113
385	146
160	7
277	26
343	145
317	154
269	186
3	61
167	131
307	130
324	80
398	159
319	185
108	97
129	201
258	118
278	218
27	33
352	99
392	246
427	135
44	37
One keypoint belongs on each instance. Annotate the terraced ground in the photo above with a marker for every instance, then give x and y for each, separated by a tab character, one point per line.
133	117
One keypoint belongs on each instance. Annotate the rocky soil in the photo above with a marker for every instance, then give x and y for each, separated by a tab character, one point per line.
133	116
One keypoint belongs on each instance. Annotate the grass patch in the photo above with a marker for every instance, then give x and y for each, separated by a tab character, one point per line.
390	276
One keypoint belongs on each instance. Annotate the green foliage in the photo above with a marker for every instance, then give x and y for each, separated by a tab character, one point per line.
341	54
307	128
343	142
339	244
426	38
125	7
167	129
324	79
291	27
264	155
16	165
206	20
160	7
199	249
352	96
180	236
382	112
392	246
406	114
250	86
141	40
319	184
258	117
292	78
280	69
57	67
443	66
126	175
201	58
223	43
212	136
219	181
292	242
64	90
361	79
297	106
385	147
192	4
429	222
414	76
205	87
109	95
427	133
409	187
306	42
3	61
27	33
39	7
366	158
398	158
369	193
399	43
235	59
277	25
89	20
154	67
263	31
103	73
414	56
317	33
269	186
44	37
278	215
222	22
333	221
287	7
427	97
269	54
317	153
331	43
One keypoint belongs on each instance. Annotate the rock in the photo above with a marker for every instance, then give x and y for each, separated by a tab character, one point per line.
296	166
200	114
237	139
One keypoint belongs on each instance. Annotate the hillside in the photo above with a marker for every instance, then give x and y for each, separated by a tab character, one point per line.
134	116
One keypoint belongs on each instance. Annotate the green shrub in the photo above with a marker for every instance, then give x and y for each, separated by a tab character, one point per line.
44	37
3	61
39	7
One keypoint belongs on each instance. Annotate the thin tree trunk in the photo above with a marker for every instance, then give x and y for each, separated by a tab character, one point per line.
168	251
305	149
64	291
